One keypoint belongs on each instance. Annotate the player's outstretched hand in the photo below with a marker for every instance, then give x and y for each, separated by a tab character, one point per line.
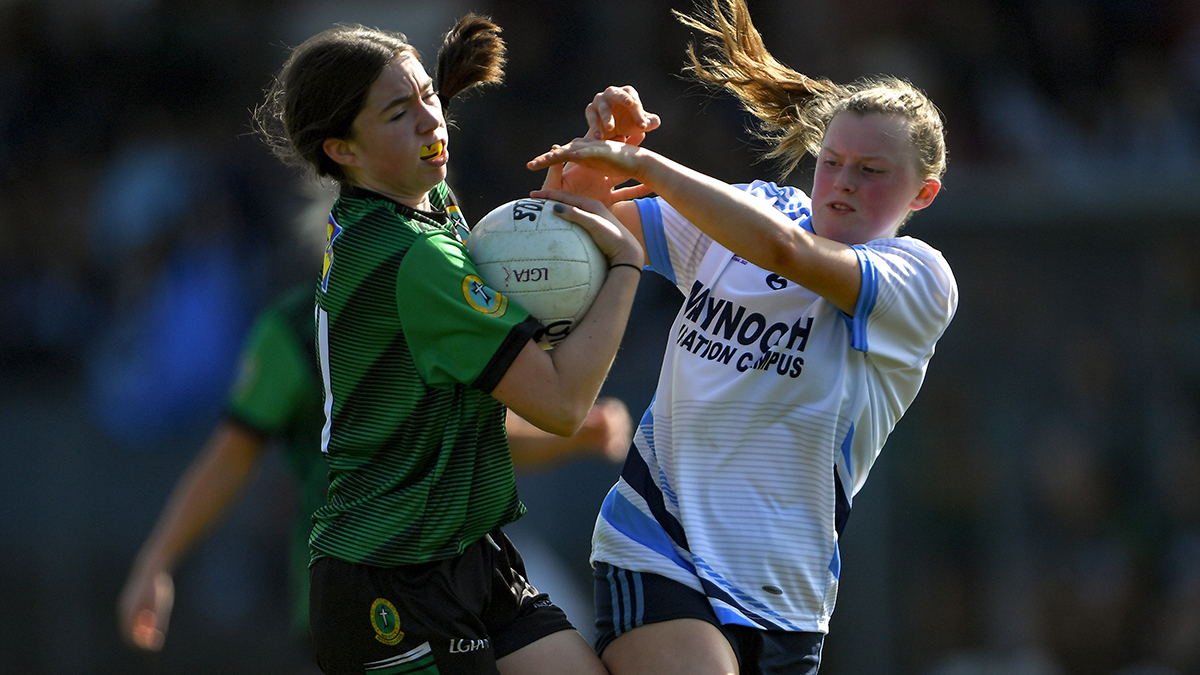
606	432
617	244
617	114
608	158
608	428
590	181
144	608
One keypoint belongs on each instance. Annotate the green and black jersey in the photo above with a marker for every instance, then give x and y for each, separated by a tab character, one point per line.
278	395
411	344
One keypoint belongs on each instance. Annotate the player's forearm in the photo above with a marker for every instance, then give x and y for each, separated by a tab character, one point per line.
532	447
202	497
755	230
582	361
737	220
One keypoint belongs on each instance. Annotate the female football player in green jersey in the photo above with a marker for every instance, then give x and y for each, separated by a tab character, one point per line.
419	359
277	397
277	400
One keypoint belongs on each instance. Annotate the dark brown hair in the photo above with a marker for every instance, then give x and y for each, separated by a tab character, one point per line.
324	83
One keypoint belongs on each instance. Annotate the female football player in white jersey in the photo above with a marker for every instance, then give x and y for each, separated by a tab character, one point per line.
805	333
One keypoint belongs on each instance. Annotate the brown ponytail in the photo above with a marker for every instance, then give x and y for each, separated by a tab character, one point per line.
777	95
793	109
472	53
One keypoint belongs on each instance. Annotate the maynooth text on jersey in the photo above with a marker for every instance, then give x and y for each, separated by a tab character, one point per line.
721	326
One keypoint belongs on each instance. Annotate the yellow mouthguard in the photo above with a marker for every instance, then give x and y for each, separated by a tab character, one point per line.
431	151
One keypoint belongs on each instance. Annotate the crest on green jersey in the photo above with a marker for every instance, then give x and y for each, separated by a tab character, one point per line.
483	299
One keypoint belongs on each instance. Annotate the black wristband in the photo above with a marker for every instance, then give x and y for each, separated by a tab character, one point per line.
636	267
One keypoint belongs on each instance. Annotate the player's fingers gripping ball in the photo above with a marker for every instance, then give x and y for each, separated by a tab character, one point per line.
546	264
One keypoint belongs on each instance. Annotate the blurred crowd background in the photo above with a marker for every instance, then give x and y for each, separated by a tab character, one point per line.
1036	512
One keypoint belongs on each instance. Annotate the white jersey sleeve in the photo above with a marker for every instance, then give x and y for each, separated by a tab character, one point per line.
676	247
908	297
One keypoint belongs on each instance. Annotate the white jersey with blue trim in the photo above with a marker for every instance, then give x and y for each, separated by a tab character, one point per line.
771	408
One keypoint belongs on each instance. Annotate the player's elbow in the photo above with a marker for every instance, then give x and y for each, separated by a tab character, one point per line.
559	413
563	419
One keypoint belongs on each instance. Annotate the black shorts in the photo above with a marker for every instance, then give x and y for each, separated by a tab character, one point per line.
626	600
448	616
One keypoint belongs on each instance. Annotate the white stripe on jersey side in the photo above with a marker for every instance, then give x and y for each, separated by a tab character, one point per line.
775	477
764	613
411	655
323	347
626	511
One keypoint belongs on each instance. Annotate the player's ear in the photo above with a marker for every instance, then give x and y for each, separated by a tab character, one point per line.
925	195
340	151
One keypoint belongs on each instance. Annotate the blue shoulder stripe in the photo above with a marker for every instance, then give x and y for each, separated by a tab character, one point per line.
788	200
656	238
866	300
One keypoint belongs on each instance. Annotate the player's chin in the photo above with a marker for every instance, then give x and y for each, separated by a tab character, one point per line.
434	172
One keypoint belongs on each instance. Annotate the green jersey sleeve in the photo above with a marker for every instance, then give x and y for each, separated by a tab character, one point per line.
273	376
459	330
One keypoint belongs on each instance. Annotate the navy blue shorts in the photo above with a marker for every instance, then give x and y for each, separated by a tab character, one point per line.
454	616
626	600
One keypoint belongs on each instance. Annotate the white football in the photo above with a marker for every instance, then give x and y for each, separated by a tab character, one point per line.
548	265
